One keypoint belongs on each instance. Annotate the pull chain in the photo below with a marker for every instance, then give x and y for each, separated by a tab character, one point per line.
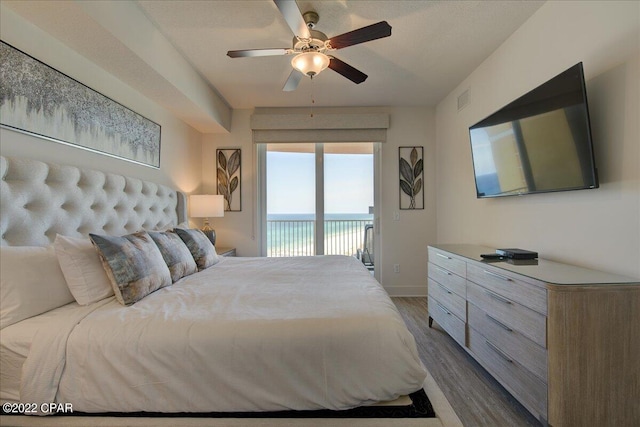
312	100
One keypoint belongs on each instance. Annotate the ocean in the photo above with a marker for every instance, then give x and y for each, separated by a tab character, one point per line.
294	234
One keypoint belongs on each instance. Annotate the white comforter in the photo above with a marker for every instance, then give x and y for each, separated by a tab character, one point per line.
248	334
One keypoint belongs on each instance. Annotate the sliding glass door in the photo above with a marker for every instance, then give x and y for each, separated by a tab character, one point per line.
348	198
290	199
318	199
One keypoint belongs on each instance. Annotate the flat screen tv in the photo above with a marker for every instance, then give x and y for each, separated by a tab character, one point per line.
539	143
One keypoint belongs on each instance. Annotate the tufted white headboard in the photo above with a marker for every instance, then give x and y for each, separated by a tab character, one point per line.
39	200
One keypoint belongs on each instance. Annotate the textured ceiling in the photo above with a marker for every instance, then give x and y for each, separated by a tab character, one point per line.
434	45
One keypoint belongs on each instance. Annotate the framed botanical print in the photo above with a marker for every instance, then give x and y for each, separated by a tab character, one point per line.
411	178
229	176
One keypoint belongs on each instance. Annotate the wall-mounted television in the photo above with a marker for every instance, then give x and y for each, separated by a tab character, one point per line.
539	143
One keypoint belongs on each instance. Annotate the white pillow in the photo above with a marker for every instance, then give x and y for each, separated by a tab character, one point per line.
31	283
183	224
82	268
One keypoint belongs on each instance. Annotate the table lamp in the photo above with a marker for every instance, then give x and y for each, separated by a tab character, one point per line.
207	206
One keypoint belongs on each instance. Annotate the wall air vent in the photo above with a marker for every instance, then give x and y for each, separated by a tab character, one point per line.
463	99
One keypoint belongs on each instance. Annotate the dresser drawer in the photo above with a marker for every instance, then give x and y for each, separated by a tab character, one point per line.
451	281
449	322
522	349
525	386
509	286
528	322
446	261
451	301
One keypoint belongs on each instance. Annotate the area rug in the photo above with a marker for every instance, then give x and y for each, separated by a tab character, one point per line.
437	409
415	405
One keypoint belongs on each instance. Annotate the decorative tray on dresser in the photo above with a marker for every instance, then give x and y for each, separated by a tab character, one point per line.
563	340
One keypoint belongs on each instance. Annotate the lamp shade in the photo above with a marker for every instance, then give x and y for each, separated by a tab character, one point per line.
310	63
207	205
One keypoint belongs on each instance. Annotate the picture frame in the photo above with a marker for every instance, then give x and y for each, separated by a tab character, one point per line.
72	113
229	177
411	177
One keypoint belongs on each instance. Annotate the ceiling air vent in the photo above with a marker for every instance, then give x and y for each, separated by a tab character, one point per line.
463	99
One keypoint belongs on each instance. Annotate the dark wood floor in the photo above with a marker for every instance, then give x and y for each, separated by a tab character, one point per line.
477	398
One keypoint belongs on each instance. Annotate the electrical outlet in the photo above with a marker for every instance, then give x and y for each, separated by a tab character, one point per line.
396	268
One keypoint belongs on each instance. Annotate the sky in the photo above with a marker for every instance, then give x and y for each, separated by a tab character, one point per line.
291	183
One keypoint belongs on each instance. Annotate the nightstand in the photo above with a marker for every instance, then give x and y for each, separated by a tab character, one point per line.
221	251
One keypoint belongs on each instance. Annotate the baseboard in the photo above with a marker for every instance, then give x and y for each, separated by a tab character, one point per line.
406	291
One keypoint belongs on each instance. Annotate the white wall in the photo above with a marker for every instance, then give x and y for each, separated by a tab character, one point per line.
404	242
595	228
180	144
235	229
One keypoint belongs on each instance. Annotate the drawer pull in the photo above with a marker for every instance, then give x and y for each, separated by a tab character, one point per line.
498	297
443	256
499	276
499	323
443	308
498	351
448	273
445	289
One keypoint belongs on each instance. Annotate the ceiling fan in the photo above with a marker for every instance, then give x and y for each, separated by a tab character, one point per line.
311	46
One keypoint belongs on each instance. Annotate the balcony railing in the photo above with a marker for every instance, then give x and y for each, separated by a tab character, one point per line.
297	237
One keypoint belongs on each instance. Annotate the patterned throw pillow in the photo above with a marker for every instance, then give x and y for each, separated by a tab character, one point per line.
134	265
201	248
175	253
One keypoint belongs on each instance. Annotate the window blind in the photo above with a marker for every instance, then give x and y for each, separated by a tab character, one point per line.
321	127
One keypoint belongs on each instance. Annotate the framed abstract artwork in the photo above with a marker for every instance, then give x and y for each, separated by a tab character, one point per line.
229	175
39	100
411	178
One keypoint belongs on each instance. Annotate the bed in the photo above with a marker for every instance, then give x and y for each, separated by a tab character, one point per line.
242	335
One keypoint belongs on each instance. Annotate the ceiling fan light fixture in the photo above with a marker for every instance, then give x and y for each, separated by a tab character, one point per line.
310	63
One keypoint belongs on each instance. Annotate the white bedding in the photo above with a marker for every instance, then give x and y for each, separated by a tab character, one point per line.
248	334
15	344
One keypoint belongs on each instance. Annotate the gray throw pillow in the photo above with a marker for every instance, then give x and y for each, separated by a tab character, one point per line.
201	248
175	253
134	265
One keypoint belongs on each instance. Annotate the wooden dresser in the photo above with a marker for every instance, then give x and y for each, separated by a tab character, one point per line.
563	340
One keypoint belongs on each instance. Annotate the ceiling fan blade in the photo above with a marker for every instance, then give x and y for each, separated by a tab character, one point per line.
257	52
293	81
347	70
361	35
291	13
